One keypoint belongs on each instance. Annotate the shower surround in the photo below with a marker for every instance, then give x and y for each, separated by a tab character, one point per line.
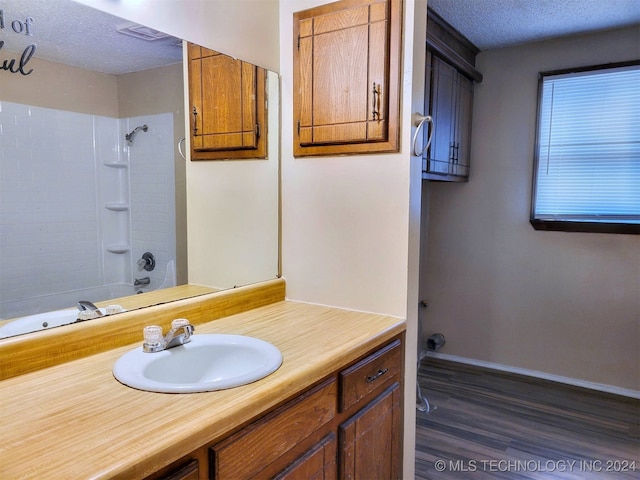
79	205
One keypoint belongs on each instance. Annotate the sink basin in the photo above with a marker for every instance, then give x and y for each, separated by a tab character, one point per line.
207	363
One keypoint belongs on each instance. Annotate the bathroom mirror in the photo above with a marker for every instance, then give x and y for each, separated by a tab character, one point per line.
91	176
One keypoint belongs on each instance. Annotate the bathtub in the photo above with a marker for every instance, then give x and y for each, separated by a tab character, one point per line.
39	321
63	300
48	311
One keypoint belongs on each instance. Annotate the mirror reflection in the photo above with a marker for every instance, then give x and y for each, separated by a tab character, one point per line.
92	184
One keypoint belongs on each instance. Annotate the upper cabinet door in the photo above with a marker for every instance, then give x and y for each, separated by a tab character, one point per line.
441	153
346	72
449	82
227	106
450	103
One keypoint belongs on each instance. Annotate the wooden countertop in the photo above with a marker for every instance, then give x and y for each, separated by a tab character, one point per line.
75	420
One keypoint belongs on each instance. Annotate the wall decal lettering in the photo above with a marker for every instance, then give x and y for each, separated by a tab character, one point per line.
15	65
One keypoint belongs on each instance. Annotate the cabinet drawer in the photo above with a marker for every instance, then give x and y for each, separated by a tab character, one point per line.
370	374
252	449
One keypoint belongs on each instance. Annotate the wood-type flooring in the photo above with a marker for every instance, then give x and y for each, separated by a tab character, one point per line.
485	424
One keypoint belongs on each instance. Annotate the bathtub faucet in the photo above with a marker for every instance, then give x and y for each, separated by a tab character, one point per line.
87	305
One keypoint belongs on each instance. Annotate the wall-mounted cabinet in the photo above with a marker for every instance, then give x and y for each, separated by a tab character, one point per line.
450	76
227	107
346	77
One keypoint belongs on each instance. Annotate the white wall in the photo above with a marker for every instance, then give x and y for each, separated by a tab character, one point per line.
233	213
346	221
562	303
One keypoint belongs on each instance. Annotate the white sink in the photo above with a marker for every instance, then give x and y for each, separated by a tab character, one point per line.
206	363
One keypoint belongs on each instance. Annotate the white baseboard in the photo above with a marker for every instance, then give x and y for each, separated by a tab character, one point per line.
627	392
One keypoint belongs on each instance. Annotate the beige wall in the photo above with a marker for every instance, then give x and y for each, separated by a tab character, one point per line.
57	86
232	213
350	223
345	219
566	304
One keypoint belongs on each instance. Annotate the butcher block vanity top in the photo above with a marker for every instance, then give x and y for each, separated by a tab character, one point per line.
75	420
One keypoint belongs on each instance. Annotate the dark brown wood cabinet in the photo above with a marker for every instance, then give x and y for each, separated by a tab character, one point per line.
227	101
370	446
346	77
319	463
449	81
451	104
347	426
261	448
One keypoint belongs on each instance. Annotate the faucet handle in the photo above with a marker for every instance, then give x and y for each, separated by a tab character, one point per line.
153	338
179	322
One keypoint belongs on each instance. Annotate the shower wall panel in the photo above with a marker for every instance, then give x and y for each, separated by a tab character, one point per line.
54	182
152	193
48	214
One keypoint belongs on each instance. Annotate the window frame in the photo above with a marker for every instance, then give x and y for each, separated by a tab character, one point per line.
567	225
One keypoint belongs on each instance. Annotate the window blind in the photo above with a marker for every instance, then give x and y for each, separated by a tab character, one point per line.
588	148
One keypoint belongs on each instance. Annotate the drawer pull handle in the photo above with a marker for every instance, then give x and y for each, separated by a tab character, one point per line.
373	378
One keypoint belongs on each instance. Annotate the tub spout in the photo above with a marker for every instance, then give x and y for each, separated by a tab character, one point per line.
86	305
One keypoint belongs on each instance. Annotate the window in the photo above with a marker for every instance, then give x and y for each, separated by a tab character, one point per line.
587	156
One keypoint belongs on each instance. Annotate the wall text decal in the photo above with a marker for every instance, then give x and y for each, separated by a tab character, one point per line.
14	65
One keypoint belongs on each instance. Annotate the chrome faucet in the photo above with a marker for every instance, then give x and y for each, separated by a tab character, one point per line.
87	306
180	333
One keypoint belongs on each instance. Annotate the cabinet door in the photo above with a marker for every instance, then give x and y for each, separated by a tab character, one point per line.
450	102
319	463
442	109
462	135
370	443
226	106
346	77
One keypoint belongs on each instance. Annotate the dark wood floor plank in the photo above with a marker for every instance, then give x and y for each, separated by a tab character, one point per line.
489	424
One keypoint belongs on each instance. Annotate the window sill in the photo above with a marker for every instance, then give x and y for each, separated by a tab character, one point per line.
585	227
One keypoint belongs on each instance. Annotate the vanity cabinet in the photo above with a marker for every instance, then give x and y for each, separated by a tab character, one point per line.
227	106
346	77
449	82
347	426
284	437
371	439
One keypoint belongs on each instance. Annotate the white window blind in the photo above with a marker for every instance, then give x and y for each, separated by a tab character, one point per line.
588	149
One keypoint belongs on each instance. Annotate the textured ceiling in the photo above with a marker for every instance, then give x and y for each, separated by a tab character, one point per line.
492	24
71	33
74	34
